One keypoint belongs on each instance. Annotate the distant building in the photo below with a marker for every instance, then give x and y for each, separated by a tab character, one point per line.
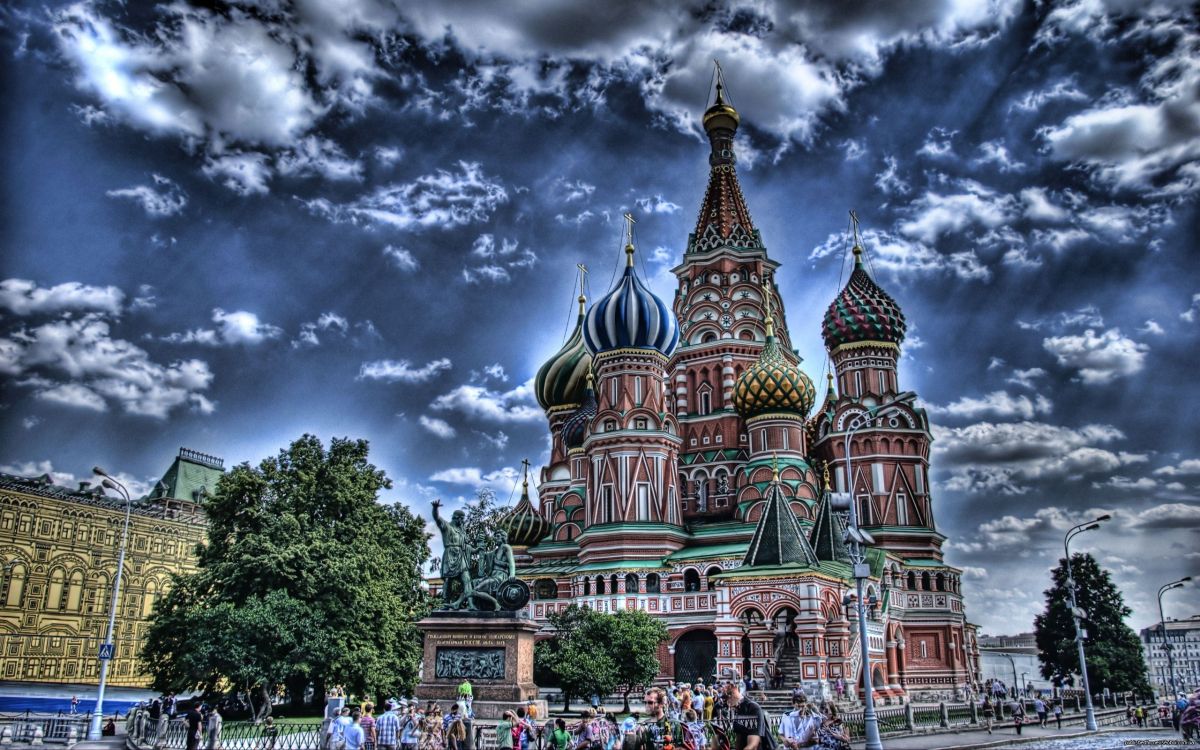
1184	638
1011	659
59	548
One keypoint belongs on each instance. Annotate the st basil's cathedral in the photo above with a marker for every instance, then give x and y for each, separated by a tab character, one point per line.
689	473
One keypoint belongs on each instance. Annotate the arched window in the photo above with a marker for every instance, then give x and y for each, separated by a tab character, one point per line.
691	580
545	588
705	402
587	586
54	592
599	585
652	586
149	596
612	584
925	582
912	581
941	582
709	575
631	584
14	584
75	591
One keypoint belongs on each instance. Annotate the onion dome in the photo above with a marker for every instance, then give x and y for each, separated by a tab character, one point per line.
575	429
525	526
630	317
721	115
559	381
862	312
773	384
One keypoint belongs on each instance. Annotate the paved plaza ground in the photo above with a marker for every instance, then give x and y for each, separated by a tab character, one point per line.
1036	739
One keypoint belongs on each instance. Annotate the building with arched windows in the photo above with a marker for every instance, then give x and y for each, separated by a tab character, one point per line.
59	548
690	465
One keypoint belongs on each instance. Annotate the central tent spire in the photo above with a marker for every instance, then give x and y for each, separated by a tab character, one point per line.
724	219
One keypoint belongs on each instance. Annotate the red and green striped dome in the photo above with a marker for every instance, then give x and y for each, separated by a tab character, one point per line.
862	312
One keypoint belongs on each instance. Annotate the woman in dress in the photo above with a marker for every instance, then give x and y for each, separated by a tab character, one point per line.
432	733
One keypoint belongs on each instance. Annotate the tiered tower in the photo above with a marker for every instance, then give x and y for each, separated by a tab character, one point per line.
632	509
721	303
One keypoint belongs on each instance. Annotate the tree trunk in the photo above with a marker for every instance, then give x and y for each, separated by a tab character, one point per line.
566	701
265	709
250	700
296	686
626	696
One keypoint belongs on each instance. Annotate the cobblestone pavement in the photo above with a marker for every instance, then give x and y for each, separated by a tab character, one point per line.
1103	741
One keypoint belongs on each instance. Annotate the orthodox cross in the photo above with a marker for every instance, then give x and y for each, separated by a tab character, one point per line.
630	221
854	223
525	462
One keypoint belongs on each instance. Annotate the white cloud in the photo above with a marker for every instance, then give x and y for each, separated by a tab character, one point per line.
438	427
165	198
314	155
1149	139
995	152
934	214
1088	315
23	297
854	150
1025	378
938	143
1098	358
245	173
443	199
1065	90
329	321
1152	328
487	272
1039	207
485	404
657	205
1189	467
402	371
498	441
501	481
889	181
1007	457
1189	315
239	327
997	404
1125	484
570	191
77	362
401	258
902	256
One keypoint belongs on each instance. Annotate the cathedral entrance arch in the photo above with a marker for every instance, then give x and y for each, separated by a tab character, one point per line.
695	656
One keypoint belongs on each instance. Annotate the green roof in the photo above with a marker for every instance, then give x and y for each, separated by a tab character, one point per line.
533	571
722	528
618	566
778	539
190	474
733	549
925	562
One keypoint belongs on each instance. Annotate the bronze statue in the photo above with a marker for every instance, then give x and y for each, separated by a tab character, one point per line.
476	577
456	559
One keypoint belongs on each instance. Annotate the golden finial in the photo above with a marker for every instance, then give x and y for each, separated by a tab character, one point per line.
825	475
775	467
629	222
582	278
770	320
829	377
591	379
857	249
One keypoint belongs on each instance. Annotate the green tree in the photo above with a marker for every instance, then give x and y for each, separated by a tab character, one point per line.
580	653
1114	652
305	576
634	638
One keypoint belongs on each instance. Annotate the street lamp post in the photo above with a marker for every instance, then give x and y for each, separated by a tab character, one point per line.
1163	622
1016	686
1087	690
98	713
858	542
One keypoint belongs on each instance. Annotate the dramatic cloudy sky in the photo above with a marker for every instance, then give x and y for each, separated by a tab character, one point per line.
226	225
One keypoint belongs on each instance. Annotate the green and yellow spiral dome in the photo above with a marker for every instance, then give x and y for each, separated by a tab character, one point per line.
773	384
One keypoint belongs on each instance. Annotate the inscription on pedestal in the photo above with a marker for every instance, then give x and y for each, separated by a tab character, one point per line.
470	663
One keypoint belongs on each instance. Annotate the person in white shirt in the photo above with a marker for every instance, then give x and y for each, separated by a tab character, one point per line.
799	728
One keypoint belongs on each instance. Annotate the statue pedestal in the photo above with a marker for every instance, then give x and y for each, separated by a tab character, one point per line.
491	650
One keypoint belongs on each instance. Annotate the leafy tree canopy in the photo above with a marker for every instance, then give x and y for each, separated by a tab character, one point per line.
1114	652
591	652
304	576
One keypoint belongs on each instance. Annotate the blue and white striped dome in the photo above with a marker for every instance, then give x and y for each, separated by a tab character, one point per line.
630	317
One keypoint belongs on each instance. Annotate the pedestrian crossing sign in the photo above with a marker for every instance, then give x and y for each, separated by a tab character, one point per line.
106	651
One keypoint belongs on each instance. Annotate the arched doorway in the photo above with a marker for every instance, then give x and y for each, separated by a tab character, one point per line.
695	656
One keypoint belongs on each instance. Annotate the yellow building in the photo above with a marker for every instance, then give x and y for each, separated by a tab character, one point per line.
59	548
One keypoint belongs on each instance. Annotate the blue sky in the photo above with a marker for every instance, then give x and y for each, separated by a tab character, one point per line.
226	226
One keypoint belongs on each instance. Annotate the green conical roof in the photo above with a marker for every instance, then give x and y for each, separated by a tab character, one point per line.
779	540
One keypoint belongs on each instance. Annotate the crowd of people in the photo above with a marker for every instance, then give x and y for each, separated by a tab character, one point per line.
685	717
